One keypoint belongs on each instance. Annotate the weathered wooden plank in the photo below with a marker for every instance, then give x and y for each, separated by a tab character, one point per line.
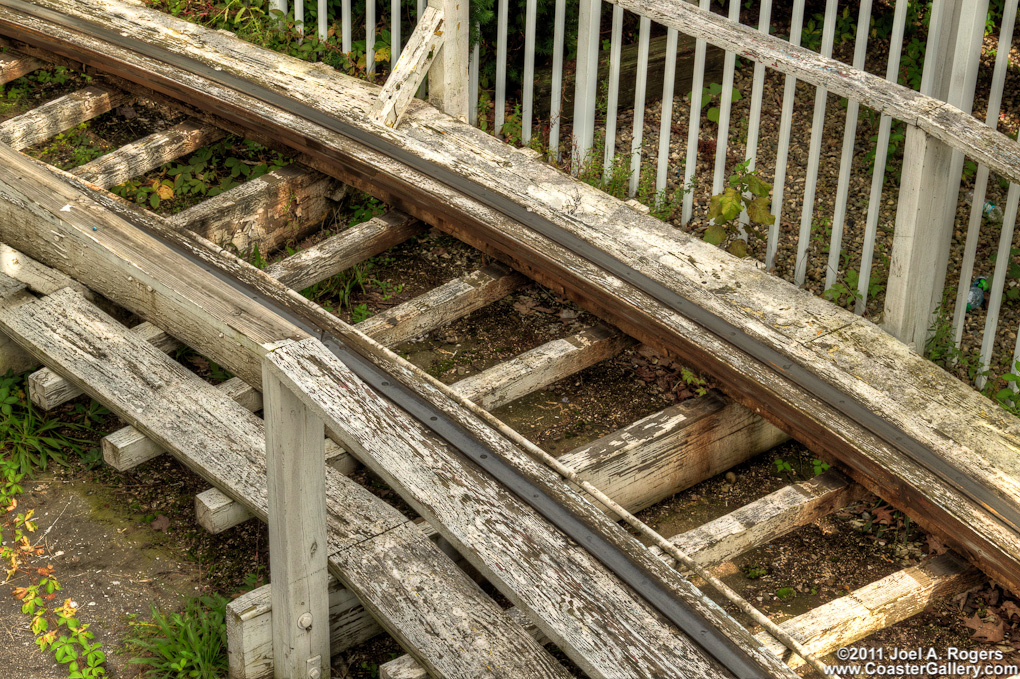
265	212
410	70
12	356
39	278
441	305
766	518
59	115
671	450
217	512
876	606
14	65
387	561
344	250
541	366
128	447
295	456
601	625
941	508
148	153
47	389
448	82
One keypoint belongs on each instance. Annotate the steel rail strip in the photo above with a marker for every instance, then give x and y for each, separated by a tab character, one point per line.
784	366
697	627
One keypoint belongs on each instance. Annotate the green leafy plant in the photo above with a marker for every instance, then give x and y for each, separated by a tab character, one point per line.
782	466
746	192
711	95
188	644
753	571
785	592
819	466
27	440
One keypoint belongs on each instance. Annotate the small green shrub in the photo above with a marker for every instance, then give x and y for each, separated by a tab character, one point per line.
746	192
29	441
184	645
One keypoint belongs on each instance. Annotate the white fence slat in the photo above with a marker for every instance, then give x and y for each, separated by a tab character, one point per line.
473	84
501	26
1002	263
757	91
394	32
881	156
666	117
556	107
694	129
345	26
639	105
370	36
531	9
323	17
299	18
847	158
785	125
589	22
423	89
981	180
815	151
613	101
725	104
280	5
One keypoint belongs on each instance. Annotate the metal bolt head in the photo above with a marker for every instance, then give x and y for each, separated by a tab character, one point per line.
314	673
305	621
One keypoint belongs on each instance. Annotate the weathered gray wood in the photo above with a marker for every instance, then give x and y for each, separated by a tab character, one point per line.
47	389
541	366
876	606
12	356
39	278
13	65
138	157
671	450
410	70
600	624
344	250
441	305
387	561
681	263
767	518
249	629
128	447
265	212
59	115
295	456
216	512
448	83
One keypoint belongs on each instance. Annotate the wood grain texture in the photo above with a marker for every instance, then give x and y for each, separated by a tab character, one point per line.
671	450
266	212
766	519
138	157
47	389
938	507
410	70
12	356
876	606
216	512
344	250
59	115
439	306
541	366
402	577
39	278
596	621
13	65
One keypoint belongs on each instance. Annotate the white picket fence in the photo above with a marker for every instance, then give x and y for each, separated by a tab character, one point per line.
920	253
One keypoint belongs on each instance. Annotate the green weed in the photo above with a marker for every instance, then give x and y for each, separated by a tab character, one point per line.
189	644
29	441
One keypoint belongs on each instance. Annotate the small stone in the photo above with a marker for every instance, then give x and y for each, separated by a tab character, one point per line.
731	478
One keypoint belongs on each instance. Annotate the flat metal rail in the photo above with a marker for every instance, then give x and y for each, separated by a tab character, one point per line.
888	432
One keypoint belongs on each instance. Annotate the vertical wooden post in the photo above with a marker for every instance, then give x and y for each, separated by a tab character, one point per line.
449	73
930	182
295	463
589	21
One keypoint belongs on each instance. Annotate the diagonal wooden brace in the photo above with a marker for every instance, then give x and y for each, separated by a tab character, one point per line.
410	69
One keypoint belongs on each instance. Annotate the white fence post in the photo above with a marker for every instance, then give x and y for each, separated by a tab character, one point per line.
295	464
589	20
930	183
449	74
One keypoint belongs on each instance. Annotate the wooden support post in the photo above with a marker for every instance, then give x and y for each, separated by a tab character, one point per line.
14	65
59	115
448	86
412	66
930	184
295	457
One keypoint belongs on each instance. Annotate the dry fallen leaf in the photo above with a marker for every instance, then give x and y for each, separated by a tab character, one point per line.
160	523
988	629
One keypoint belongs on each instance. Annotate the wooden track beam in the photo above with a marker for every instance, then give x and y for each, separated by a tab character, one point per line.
59	115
